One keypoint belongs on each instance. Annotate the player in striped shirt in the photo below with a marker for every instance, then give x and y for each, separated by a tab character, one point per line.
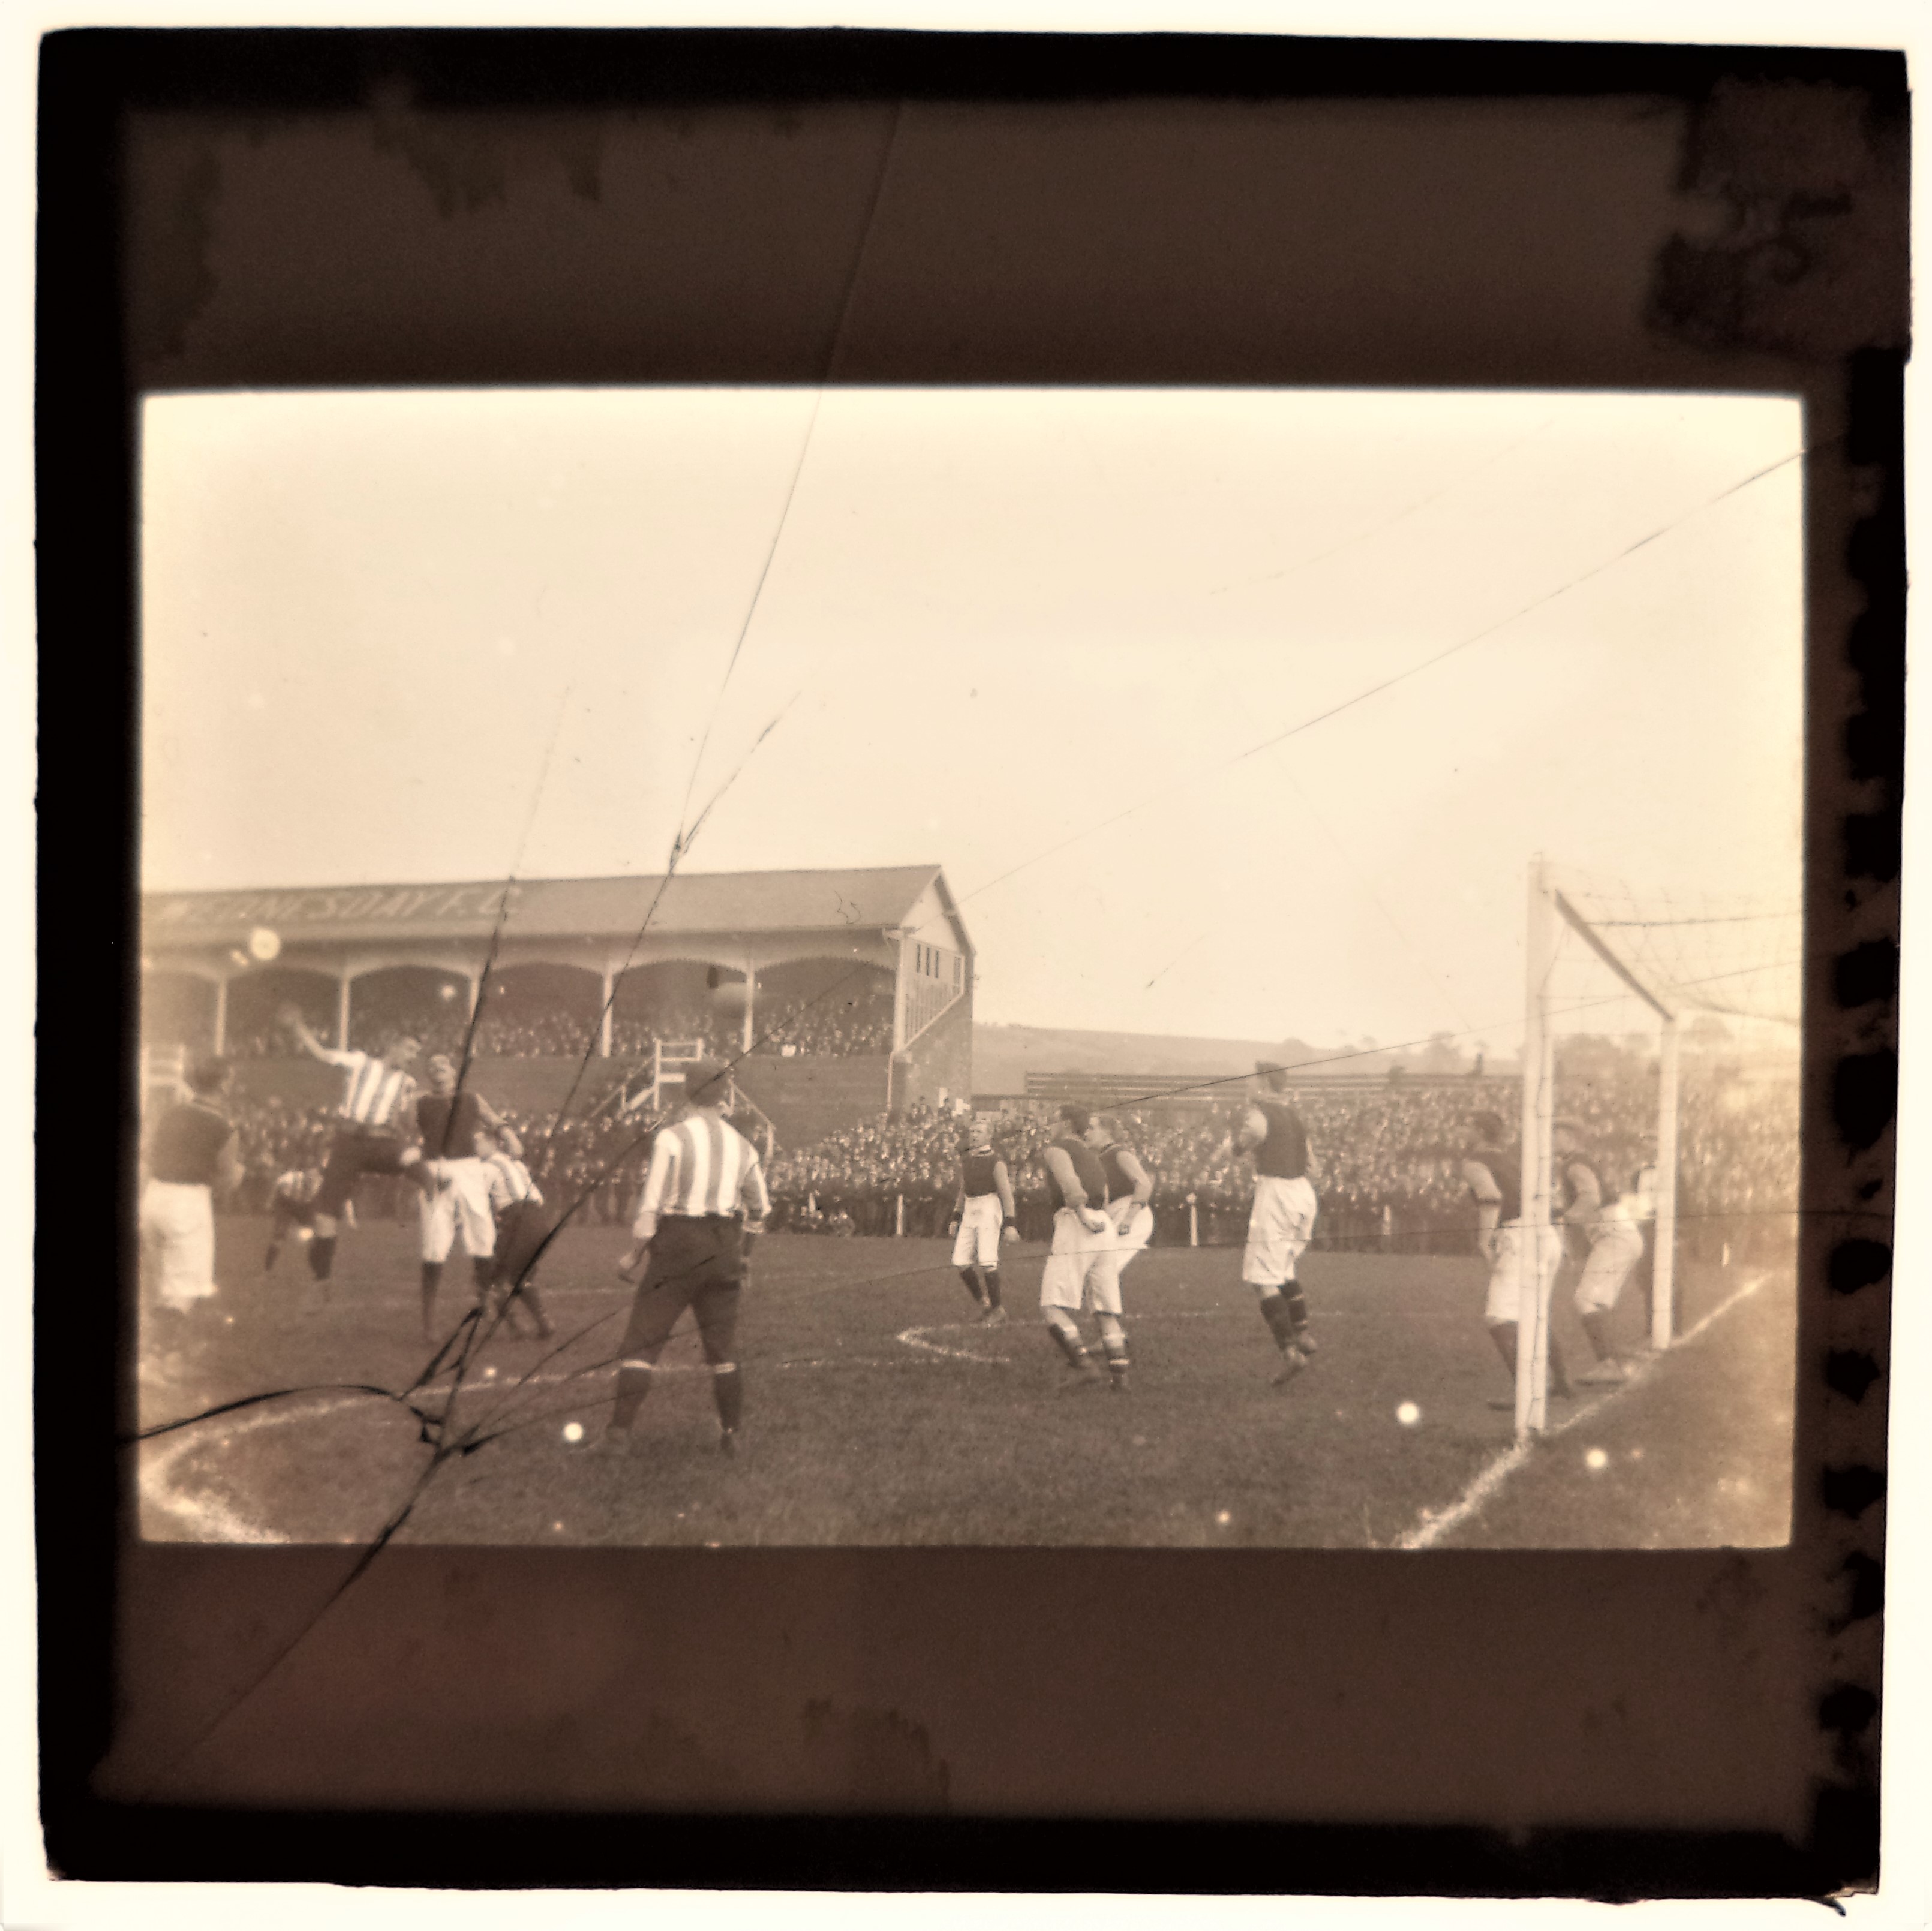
704	1202
376	1097
291	1204
522	1226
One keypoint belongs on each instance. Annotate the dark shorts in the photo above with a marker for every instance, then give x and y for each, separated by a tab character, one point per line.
289	1213
522	1228
352	1156
698	1264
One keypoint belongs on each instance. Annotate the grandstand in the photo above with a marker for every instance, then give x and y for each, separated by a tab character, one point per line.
846	993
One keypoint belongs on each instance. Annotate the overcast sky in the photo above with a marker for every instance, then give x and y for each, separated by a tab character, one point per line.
419	636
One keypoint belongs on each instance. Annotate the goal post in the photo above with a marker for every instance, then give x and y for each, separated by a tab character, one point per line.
1550	913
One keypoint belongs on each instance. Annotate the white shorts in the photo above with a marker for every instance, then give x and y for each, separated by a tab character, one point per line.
177	1242
1615	1247
1513	1247
459	1203
1279	1227
1076	1275
980	1232
1122	1245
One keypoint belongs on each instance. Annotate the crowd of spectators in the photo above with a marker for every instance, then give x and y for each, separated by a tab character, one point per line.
1389	1157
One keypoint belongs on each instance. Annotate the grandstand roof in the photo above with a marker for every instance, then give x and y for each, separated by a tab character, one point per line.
692	902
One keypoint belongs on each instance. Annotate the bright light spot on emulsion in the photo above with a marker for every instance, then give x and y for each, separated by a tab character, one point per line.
1224	1519
1596	1459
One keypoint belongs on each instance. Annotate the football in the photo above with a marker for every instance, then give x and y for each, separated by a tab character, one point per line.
264	944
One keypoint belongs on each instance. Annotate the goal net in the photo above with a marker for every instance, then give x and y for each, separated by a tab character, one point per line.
1663	1032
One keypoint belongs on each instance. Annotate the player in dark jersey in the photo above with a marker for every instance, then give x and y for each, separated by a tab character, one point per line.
1603	1238
982	1217
191	1155
457	1185
1282	1218
1074	1278
1493	1173
1129	1196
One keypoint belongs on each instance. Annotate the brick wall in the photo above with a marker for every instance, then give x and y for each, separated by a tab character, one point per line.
942	1056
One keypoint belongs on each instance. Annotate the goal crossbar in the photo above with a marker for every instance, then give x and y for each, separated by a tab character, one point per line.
1585	931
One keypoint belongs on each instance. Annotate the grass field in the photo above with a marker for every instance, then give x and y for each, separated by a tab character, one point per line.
877	1412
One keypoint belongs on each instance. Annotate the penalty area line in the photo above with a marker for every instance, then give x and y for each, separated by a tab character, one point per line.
1433	1525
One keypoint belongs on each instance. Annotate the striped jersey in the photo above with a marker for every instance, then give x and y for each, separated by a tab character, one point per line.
510	1182
702	1166
377	1093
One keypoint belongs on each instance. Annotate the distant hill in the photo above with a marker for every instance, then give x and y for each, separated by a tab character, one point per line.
1003	1056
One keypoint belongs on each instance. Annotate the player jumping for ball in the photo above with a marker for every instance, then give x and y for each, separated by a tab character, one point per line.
1075	1278
982	1217
1493	1173
375	1100
1282	1218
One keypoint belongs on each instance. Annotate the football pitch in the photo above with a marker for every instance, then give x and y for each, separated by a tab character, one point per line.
877	1412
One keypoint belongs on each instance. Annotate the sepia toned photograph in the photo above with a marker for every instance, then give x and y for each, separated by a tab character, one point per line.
1147	967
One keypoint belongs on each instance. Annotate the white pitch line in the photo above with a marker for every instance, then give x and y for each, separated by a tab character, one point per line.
212	1520
1432	1526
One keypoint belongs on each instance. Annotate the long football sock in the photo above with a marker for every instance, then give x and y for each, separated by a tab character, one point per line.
634	1384
268	1258
482	1271
1559	1382
728	1390
1115	1348
432	1279
321	1256
1281	1322
972	1281
1298	1308
1071	1345
992	1287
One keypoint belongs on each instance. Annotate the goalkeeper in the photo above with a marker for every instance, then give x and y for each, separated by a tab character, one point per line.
704	1202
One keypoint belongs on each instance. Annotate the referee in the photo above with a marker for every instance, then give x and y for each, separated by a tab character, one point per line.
704	1202
375	1100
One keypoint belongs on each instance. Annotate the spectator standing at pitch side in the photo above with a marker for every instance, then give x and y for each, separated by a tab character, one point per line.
1282	1220
456	1196
704	1202
982	1216
375	1098
1073	1279
1494	1173
191	1154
